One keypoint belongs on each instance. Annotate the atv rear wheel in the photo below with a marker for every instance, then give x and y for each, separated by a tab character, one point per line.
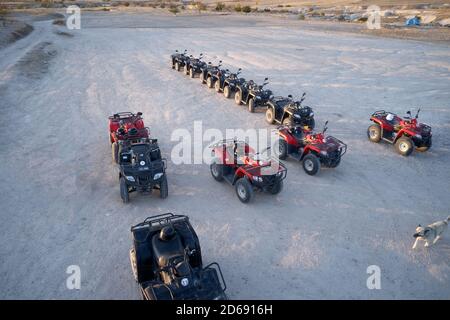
133	264
177	66
404	146
251	105
216	170
191	73
277	187
226	92
237	97
202	77
311	164
374	133
186	69
163	188
124	194
270	118
281	150
115	152
244	190
209	82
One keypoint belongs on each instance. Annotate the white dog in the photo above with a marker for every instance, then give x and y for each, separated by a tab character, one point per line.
431	234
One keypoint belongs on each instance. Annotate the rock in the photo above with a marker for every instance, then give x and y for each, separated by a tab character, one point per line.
445	22
428	18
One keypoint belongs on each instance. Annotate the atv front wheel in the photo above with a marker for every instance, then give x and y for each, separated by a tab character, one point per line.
191	73
424	147
209	82
287	121
226	91
124	194
251	105
217	86
374	133
244	190
177	66
202	77
282	149
404	146
186	69
270	118
311	164
237	97
115	152
277	187
216	171
163	188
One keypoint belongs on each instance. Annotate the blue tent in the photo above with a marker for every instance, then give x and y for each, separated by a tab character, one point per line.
412	21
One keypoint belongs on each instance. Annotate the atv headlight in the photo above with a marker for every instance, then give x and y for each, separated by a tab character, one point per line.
297	116
323	152
157	176
258	98
418	136
311	114
130	178
142	163
258	179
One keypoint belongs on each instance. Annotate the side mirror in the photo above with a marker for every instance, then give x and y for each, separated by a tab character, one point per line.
241	69
408	113
417	114
326	123
176	51
265	79
290	96
304	94
139	113
209	62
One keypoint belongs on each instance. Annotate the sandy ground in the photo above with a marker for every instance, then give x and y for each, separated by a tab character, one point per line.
60	202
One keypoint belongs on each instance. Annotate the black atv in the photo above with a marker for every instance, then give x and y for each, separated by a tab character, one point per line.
289	112
178	59
208	71
167	263
252	94
227	83
142	169
193	65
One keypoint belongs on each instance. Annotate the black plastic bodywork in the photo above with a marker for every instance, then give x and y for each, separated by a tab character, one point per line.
172	269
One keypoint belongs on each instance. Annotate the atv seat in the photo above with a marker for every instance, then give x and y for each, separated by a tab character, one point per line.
166	250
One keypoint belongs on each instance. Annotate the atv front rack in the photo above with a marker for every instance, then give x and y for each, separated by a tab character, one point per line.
215	265
282	170
342	145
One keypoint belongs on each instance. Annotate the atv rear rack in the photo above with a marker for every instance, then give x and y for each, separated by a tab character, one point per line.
160	219
122	115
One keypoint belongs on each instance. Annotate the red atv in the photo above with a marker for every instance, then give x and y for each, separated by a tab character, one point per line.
126	127
314	149
235	162
405	133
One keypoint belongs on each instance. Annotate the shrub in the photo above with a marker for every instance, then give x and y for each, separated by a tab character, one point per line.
220	6
238	8
246	9
126	4
201	6
301	16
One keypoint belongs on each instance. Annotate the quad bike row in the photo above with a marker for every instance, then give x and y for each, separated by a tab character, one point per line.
405	133
279	110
